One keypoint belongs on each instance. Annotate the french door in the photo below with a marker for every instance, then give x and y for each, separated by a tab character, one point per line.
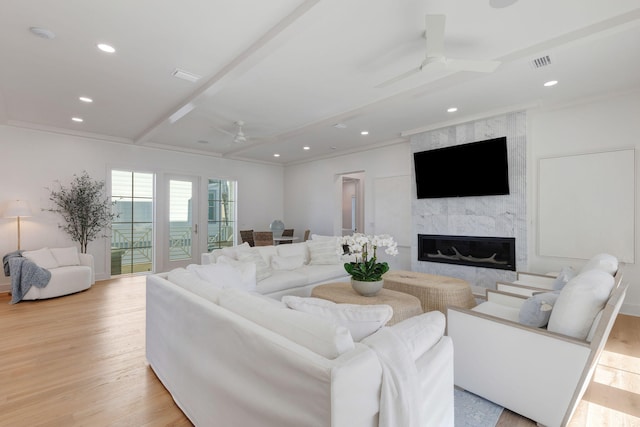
180	243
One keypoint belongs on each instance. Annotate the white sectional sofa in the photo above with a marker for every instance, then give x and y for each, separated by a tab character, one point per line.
235	358
288	269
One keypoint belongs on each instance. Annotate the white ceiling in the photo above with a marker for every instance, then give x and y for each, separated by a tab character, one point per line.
291	69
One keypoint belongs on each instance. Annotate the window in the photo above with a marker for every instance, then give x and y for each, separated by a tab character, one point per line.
132	230
221	215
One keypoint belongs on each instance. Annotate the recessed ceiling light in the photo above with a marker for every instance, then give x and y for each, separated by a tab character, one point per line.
306	148
452	109
85	99
77	119
364	132
43	33
551	83
106	48
276	155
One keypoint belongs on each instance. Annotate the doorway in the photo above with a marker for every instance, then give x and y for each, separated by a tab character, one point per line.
352	207
180	245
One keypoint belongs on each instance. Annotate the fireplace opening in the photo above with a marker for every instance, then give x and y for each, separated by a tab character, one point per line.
488	252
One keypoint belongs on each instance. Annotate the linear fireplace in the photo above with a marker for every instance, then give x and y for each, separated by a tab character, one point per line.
488	252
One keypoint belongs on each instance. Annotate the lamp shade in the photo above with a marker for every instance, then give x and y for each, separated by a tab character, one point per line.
17	208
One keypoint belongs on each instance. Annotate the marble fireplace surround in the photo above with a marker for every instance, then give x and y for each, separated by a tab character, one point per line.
490	216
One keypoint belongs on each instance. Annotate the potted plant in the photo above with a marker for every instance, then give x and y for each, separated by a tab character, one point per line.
85	209
366	272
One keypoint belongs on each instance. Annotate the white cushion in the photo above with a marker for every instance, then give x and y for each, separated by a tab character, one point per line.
42	257
421	332
232	251
226	276
605	262
266	252
287	262
361	320
263	270
321	237
294	249
190	281
579	303
318	335
247	271
323	251
66	256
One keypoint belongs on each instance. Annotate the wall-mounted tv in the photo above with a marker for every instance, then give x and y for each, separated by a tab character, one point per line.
475	169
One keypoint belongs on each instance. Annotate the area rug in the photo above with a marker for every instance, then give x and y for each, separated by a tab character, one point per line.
474	411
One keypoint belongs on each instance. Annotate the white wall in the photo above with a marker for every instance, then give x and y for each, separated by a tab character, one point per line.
591	126
34	160
598	125
314	191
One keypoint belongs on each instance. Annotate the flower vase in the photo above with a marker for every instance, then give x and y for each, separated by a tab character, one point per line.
366	289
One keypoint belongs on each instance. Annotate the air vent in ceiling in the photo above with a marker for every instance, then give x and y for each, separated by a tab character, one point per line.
542	61
185	75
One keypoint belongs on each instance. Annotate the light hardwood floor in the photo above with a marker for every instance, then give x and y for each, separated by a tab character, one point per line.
79	360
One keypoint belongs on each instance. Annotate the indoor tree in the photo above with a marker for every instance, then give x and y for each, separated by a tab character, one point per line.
85	209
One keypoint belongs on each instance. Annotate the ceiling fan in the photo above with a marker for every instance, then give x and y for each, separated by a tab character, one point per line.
435	57
238	137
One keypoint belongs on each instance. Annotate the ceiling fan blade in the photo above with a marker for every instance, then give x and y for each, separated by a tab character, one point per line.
434	33
223	131
398	78
472	65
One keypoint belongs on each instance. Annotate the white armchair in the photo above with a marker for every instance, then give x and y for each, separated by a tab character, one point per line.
537	373
70	272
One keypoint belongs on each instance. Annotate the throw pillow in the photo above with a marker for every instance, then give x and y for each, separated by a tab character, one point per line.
361	320
566	274
247	272
263	270
287	262
535	311
190	281
324	251
66	256
605	262
318	335
232	251
42	257
225	276
294	249
579	303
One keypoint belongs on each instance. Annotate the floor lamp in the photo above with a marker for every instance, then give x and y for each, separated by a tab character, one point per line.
17	209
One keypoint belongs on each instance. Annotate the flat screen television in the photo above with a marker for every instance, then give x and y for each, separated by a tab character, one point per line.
474	169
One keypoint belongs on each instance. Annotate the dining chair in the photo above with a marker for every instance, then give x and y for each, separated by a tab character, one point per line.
306	235
247	236
263	238
287	232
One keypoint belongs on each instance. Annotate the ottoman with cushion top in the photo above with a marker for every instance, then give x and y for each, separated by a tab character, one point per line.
403	304
434	292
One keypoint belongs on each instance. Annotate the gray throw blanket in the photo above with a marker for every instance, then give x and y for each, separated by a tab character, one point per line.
24	274
5	260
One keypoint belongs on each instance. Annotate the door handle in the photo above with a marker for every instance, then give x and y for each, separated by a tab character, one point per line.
196	229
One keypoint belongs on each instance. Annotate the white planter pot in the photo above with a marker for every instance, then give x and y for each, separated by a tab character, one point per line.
367	289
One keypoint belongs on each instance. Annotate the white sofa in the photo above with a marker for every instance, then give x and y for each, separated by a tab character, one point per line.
235	358
71	272
289	269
